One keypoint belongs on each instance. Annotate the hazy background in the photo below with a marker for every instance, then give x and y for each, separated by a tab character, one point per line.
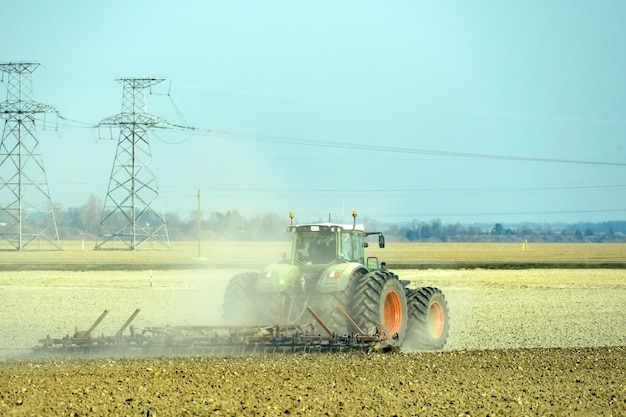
464	111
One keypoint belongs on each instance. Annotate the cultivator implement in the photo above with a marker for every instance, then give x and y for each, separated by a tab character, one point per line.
213	340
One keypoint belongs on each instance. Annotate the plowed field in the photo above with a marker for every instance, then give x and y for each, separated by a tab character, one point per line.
523	342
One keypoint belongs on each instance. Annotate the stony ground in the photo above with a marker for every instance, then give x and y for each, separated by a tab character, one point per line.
536	381
534	342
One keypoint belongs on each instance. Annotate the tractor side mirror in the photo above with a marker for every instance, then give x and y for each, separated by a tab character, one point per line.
381	241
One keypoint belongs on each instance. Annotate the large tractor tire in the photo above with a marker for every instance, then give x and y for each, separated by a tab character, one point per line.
380	300
244	306
288	308
325	305
428	319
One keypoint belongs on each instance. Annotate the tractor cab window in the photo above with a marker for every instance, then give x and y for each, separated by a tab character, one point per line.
352	246
324	248
318	247
358	245
347	250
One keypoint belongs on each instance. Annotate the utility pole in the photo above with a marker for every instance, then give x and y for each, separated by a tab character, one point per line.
130	217
26	210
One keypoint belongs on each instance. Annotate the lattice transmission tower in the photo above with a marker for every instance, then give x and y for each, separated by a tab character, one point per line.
26	210
130	217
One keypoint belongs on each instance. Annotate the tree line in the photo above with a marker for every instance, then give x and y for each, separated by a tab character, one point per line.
83	222
436	231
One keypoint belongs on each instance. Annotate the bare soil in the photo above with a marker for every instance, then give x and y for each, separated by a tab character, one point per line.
524	342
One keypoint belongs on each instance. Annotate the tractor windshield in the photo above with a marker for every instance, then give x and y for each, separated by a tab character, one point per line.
316	246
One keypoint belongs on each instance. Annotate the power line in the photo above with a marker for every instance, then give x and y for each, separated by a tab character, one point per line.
167	126
380	148
344	145
405	190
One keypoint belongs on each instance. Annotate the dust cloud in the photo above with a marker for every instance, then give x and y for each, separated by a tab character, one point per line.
487	309
36	304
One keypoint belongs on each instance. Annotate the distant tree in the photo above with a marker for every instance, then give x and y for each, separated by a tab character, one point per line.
177	229
415	232
498	230
411	234
90	213
71	218
436	229
417	229
269	226
474	231
369	223
230	225
617	226
456	229
393	230
525	231
546	229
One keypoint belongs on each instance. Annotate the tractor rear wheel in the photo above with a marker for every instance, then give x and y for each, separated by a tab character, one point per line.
325	305
245	306
241	305
428	319
380	300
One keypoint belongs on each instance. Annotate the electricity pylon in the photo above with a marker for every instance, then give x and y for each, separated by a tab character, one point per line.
129	218
26	210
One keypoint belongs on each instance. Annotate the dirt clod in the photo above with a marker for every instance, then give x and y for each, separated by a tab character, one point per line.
586	381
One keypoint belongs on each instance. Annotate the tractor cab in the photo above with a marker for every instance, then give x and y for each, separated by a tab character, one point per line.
329	243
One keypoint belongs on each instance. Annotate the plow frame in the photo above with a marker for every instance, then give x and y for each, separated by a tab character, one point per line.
215	339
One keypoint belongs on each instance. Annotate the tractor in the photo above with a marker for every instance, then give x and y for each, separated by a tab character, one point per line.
326	282
328	275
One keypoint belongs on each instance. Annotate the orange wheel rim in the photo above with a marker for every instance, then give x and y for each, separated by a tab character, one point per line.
436	320
392	313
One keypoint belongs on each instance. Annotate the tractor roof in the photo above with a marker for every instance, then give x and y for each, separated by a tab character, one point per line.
358	227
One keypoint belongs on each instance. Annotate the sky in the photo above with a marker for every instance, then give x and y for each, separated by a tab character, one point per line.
482	111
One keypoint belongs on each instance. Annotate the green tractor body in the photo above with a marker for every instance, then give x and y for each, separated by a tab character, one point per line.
326	255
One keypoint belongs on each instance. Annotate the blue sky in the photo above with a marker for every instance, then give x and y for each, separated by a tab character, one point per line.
462	111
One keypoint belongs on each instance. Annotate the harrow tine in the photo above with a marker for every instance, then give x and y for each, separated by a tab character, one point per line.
125	325
319	320
352	322
86	335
